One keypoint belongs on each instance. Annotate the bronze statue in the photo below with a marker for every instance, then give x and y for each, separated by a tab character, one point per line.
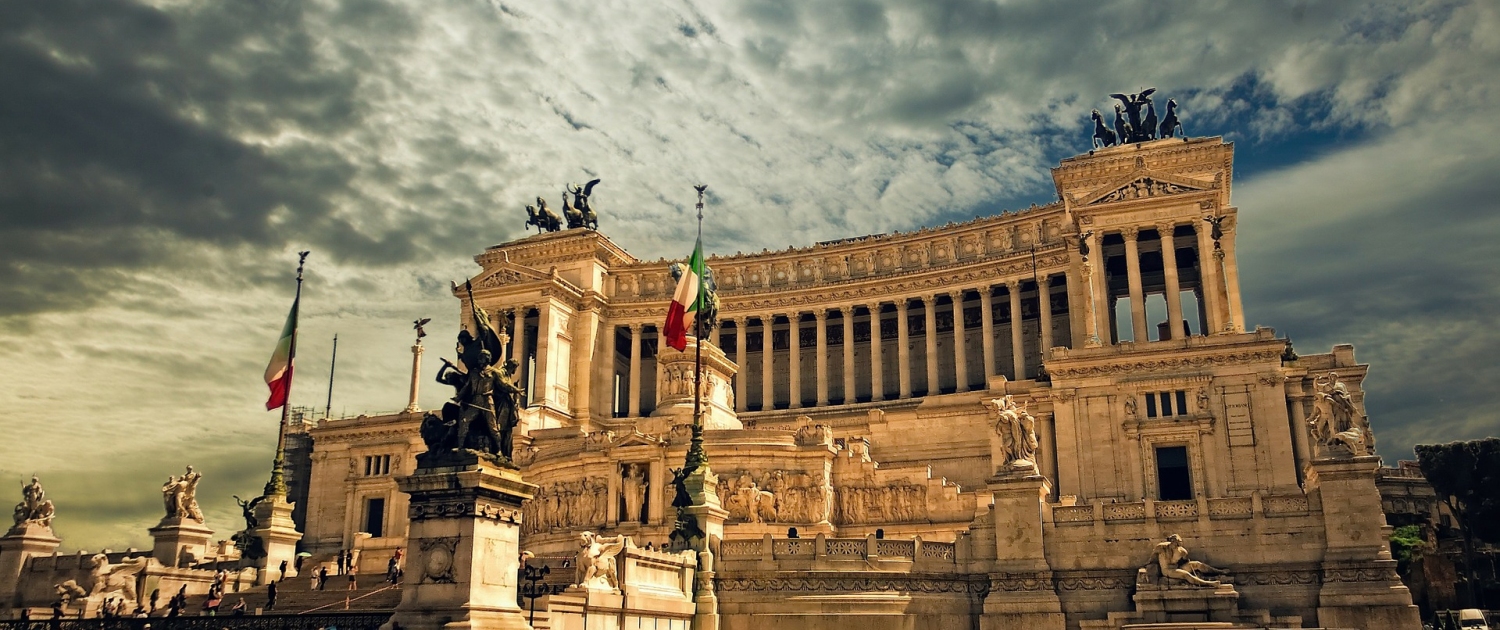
1170	126
486	402
586	216
1148	126
1103	137
250	546
1122	128
1133	104
545	220
417	325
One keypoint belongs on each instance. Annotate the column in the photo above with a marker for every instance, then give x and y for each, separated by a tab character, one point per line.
877	356
634	398
903	353
987	329
416	376
1044	306
820	318
848	314
1174	293
929	308
741	378
1232	282
1302	452
542	381
960	351
1018	349
767	367
1208	278
1099	290
613	333
518	350
794	366
1133	274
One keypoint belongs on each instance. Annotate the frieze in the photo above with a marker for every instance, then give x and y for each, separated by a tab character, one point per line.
1276	578
1362	574
1150	365
1021	582
463	508
1095	583
854	585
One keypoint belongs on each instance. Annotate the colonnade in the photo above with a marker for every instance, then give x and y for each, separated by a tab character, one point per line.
1218	282
837	324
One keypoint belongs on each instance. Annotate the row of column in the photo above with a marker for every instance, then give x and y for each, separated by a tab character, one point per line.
1213	272
877	359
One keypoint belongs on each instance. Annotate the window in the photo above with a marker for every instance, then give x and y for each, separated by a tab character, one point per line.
376	465
1166	404
1174	482
375	516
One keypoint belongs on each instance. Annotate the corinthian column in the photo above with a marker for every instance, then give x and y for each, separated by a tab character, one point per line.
903	352
416	375
634	397
794	369
1208	279
960	352
847	312
1174	293
1017	342
820	319
1044	304
877	355
742	377
1133	276
987	329
767	365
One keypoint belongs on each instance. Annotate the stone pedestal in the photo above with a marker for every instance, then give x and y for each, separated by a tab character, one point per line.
703	487
1360	586
1021	593
675	390
463	548
278	536
22	542
180	541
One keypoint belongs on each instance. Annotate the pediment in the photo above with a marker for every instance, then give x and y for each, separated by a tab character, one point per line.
1144	184
508	273
636	438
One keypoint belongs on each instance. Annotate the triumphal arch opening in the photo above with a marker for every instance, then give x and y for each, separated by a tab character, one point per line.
974	425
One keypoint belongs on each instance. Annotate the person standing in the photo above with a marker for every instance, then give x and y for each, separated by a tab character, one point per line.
271	596
352	572
322	577
282	575
341	562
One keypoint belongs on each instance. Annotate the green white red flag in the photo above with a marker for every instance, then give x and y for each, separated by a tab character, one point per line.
685	300
279	371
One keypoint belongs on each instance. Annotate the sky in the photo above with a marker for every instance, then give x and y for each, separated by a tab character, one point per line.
161	163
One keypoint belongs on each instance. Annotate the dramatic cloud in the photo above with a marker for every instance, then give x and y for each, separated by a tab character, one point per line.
161	163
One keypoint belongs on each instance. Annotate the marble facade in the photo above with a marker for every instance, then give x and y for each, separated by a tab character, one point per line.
853	445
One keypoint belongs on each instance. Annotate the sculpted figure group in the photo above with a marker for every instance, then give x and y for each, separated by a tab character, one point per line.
778	496
1335	422
578	214
487	399
579	503
1175	566
1017	431
34	507
1131	125
896	503
180	496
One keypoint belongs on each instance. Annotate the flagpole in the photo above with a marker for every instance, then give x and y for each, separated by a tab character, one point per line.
277	484
696	455
332	363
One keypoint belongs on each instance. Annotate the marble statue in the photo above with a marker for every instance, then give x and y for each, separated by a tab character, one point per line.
180	496
596	561
1172	559
1334	419
1130	408
115	578
34	507
633	489
68	591
1017	430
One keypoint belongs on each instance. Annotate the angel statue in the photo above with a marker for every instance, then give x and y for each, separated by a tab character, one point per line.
596	561
1017	431
584	213
1133	103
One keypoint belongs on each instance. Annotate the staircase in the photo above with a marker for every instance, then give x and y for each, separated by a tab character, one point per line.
295	596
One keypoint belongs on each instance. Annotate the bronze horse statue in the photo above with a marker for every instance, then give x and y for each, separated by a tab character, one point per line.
545	220
1170	126
1103	137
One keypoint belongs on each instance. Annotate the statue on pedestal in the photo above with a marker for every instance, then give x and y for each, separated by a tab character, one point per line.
1017	430
1334	419
596	561
180	496
251	546
485	394
1172	560
582	214
34	506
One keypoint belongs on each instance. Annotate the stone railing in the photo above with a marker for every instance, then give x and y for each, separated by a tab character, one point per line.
1214	509
821	547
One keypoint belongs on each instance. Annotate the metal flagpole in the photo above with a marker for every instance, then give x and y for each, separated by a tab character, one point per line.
277	484
696	456
332	363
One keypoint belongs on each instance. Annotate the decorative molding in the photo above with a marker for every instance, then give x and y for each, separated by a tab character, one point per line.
1164	364
978	588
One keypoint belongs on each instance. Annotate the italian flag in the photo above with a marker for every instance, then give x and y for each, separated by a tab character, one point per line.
279	372
685	300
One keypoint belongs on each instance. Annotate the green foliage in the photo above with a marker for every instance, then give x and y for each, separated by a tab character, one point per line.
1406	543
1466	475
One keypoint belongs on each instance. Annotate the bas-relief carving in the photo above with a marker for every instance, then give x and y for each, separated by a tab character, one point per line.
567	504
900	502
777	496
437	559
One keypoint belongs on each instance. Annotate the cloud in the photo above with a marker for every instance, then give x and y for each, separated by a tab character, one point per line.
161	162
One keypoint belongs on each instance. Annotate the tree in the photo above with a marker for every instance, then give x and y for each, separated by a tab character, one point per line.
1466	475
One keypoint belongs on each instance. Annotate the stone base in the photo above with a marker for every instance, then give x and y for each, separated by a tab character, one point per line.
463	548
675	389
180	541
278	535
1021	596
1360	585
1186	607
22	542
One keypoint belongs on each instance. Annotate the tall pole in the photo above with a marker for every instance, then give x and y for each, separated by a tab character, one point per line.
332	363
277	485
696	456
